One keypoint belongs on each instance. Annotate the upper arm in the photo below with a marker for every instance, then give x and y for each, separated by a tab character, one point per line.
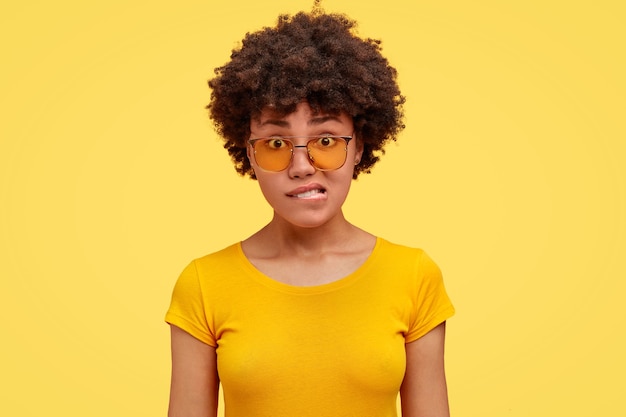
424	392
195	384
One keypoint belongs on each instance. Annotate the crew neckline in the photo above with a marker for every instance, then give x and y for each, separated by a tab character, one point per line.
272	283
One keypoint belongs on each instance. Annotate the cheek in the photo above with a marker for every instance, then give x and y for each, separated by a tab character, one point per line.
342	178
267	185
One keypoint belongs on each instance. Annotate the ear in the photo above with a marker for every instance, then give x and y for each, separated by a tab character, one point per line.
249	153
359	151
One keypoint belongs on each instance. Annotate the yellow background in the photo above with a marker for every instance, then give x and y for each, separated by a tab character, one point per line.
511	174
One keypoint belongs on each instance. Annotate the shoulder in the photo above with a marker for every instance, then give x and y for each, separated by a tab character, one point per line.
220	257
213	266
387	245
406	265
403	255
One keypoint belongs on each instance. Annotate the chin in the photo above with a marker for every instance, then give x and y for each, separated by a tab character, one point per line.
310	221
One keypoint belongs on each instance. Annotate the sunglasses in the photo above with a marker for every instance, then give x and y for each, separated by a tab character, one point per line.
325	152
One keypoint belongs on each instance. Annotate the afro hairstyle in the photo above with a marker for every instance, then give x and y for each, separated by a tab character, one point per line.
316	57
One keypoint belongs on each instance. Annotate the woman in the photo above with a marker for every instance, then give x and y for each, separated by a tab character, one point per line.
309	316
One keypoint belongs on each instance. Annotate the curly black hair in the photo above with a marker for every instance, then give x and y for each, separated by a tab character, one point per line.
315	57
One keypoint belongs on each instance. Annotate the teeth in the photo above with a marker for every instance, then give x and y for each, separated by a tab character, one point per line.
307	194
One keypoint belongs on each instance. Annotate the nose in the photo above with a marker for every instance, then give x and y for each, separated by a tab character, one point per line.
300	163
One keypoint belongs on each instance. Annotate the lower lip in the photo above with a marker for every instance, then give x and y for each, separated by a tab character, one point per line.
314	197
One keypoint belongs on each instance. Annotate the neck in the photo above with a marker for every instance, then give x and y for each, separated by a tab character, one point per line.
285	238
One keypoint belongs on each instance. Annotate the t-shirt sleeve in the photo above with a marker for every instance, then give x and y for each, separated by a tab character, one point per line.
187	309
431	305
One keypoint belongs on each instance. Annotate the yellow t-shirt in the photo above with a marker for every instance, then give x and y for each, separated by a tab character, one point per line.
329	350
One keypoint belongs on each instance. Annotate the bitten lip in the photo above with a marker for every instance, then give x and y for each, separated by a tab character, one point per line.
306	188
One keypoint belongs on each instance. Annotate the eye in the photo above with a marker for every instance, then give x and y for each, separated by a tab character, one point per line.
326	141
276	143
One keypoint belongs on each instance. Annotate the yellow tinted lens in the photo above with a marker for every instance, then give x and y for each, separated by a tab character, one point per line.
272	154
327	153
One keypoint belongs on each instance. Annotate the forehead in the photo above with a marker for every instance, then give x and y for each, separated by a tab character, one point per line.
270	115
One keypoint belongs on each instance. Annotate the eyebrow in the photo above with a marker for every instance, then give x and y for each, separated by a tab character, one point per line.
314	121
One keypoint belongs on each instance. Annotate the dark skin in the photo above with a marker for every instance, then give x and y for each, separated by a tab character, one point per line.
334	70
336	83
308	237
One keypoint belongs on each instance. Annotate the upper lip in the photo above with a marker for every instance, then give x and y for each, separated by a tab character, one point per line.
305	188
